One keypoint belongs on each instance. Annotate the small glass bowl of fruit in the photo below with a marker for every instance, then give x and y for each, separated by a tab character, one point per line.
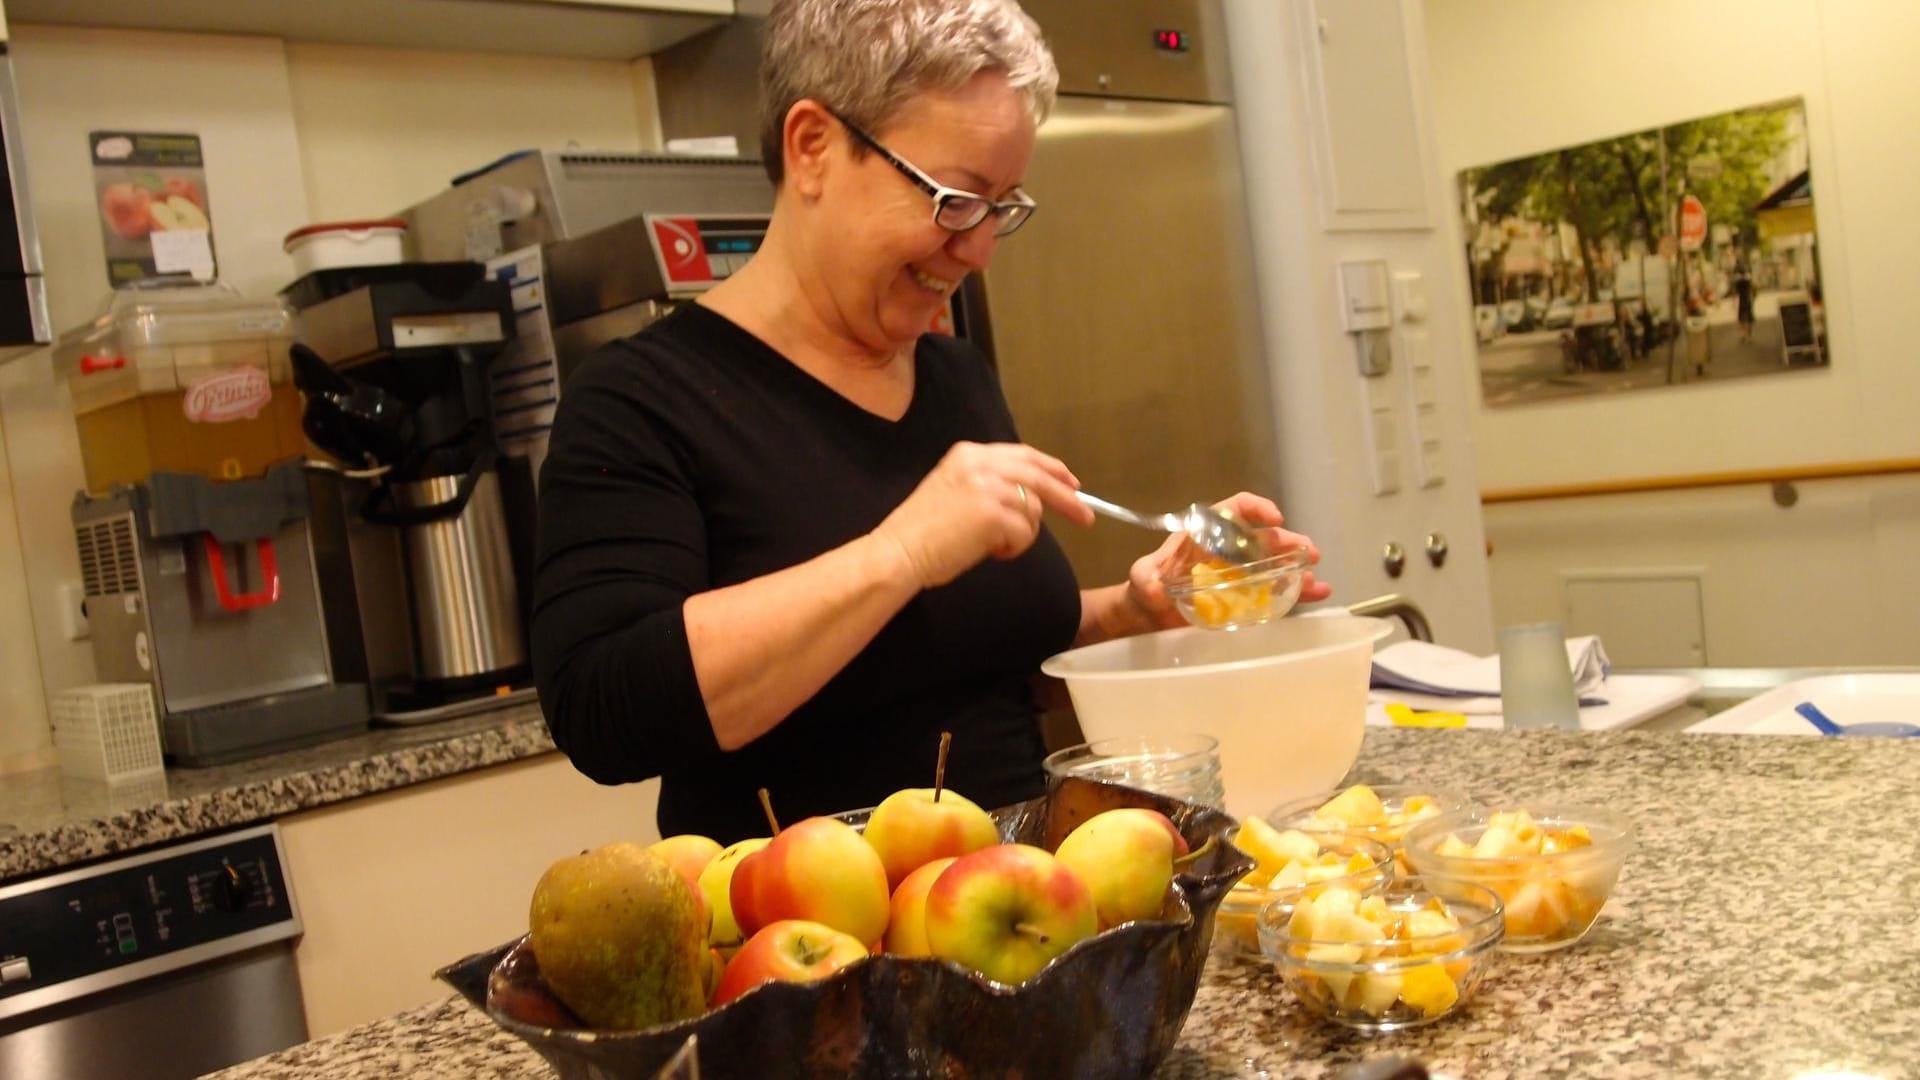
1553	865
1289	859
1381	812
1404	955
1220	595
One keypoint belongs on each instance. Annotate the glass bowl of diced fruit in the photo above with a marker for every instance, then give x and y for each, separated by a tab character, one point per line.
1382	812
1292	859
1554	865
1398	957
1221	595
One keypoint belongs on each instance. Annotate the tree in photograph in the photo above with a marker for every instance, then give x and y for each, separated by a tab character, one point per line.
1736	147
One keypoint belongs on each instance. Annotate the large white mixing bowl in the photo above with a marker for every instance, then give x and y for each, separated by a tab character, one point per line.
1287	699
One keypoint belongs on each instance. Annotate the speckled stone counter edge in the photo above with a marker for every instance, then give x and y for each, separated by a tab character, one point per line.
282	784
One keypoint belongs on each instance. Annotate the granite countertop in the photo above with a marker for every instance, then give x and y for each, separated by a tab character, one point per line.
1764	927
48	820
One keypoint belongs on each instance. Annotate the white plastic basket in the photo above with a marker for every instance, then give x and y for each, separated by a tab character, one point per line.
107	731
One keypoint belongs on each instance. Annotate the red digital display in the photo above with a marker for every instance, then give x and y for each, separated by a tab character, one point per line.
1170	40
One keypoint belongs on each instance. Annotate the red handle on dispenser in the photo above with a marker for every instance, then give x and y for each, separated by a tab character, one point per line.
91	364
269	569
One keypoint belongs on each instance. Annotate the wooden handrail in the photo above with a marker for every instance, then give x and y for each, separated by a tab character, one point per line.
1701	480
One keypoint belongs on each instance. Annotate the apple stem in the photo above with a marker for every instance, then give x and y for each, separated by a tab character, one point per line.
766	804
1028	930
940	765
1194	855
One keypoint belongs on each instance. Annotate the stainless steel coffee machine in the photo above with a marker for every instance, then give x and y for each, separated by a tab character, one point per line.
393	363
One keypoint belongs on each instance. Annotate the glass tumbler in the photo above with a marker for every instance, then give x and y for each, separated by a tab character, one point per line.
1183	766
1536	678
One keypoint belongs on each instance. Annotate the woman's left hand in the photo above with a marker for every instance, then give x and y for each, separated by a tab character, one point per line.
1150	596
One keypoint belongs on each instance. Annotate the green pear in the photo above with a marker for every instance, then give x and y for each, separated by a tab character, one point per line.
621	938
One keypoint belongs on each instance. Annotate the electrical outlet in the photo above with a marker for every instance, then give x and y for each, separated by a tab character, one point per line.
73	610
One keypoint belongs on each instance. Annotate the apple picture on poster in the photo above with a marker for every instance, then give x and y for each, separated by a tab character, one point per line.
152	201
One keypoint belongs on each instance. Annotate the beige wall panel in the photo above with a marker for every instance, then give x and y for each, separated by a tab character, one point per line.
395	886
1828	581
382	129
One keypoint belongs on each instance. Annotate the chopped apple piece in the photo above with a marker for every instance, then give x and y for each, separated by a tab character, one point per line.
1373	992
1373	909
1357	807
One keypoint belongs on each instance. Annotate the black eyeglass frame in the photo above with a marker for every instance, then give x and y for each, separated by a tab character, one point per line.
1011	213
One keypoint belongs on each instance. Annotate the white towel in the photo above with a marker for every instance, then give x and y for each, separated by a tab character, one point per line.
1434	677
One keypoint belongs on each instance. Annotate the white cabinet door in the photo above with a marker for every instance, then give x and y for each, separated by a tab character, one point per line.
394	886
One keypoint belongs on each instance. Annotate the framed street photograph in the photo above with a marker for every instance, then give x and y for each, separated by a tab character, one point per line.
1685	253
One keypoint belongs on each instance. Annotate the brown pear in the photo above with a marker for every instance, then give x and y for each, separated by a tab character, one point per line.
621	938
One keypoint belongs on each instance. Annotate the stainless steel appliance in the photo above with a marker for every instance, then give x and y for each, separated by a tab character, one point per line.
594	246
395	375
209	592
539	196
23	292
1124	321
169	963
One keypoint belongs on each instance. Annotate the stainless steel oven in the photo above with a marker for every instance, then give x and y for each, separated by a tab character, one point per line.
167	963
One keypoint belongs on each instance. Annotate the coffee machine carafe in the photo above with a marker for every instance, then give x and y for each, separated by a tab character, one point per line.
395	378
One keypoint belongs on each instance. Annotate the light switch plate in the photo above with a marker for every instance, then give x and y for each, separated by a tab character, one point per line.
1365	303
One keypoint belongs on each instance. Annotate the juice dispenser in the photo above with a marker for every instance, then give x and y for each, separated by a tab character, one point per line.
200	555
185	379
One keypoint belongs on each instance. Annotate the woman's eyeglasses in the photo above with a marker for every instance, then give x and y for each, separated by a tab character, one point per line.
953	209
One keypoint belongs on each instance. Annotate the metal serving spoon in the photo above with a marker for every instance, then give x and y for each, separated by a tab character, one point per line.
1212	531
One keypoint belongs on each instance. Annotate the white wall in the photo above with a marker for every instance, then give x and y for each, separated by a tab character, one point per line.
1515	77
1831	582
291	134
363	157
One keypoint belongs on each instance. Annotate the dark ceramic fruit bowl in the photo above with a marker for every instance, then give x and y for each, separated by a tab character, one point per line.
1112	1006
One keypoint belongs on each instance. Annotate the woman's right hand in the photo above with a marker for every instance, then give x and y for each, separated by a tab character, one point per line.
982	500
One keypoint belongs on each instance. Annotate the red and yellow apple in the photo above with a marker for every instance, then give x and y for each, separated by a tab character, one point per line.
186	189
789	950
911	828
125	206
688	853
1125	858
1007	911
907	924
716	882
819	870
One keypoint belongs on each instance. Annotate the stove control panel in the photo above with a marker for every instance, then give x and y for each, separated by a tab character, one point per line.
77	932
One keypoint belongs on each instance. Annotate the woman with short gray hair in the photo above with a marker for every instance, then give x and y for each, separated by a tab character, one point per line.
870	58
788	536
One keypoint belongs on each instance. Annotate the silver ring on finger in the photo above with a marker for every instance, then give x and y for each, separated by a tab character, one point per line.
1021	490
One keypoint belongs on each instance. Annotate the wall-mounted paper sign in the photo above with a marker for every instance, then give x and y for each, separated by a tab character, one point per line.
152	193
